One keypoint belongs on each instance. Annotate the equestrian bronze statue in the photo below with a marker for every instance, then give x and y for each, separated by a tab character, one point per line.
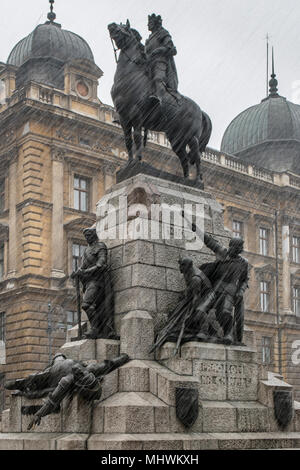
145	96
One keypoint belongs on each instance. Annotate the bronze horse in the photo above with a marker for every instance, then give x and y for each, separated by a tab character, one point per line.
185	125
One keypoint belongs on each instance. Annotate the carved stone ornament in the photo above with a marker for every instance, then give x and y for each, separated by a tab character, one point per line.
187	406
67	136
109	168
283	407
57	154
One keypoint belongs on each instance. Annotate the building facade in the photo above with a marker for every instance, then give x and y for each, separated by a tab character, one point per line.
59	153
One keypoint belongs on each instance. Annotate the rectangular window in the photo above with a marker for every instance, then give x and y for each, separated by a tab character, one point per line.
266	349
265	296
81	193
296	249
2	92
264	241
237	228
71	320
2	194
77	253
296	300
2	326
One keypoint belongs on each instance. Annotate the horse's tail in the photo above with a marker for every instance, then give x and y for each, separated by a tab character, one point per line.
206	132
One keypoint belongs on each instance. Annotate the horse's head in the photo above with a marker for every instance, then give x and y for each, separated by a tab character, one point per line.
121	34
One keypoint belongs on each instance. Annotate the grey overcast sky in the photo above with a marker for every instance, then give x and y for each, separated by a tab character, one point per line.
221	44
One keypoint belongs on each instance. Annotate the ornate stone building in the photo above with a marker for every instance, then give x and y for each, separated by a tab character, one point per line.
59	152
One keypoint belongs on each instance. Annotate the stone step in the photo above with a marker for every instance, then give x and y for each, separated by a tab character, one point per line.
91	349
131	412
195	441
150	376
150	441
235	417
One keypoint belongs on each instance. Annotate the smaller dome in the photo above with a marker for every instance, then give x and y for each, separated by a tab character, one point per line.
274	119
50	40
267	134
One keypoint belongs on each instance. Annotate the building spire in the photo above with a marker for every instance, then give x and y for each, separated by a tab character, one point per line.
51	15
273	82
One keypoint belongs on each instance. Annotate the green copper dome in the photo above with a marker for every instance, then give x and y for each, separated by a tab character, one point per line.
267	134
50	40
274	119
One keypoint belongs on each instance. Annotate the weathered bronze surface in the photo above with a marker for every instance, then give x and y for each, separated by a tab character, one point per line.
145	96
98	298
63	378
212	308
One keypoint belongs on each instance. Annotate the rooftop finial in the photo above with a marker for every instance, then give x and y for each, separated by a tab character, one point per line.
51	15
273	82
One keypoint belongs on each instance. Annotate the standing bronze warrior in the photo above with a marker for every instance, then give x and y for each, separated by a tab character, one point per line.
213	306
160	52
94	275
229	276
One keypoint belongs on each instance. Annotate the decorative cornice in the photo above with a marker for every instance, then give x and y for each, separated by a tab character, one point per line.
109	168
66	135
80	221
264	218
265	272
243	214
70	210
83	162
34	202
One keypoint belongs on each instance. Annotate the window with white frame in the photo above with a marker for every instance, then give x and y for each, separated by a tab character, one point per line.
296	300
264	241
296	249
77	255
71	319
81	189
265	296
266	349
237	229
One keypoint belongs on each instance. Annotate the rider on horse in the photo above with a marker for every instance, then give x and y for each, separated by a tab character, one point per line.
160	52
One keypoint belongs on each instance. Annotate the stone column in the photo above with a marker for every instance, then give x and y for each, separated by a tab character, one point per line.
286	275
57	214
109	172
12	192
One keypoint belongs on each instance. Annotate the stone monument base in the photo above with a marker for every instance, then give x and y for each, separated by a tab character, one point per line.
233	395
137	410
138	167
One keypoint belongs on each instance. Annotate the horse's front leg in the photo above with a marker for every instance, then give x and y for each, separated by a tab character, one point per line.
127	129
137	135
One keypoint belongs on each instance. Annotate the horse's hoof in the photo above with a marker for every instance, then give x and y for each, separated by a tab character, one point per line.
199	183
